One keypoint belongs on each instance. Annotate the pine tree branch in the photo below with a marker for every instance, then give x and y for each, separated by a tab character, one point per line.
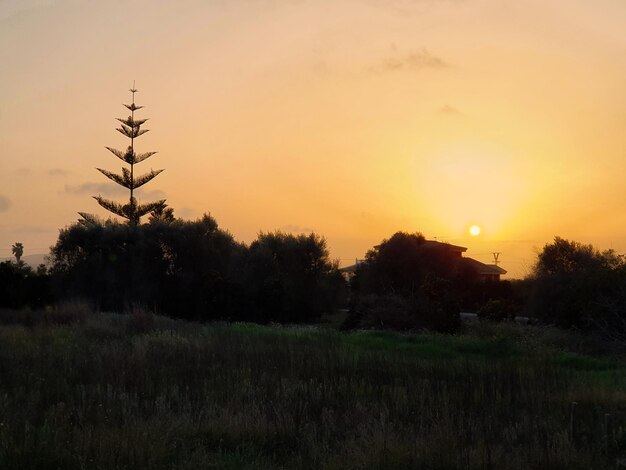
123	179
143	179
140	157
89	219
130	156
133	107
113	206
118	153
130	122
130	132
143	209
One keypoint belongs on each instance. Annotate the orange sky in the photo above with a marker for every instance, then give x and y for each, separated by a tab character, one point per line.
352	118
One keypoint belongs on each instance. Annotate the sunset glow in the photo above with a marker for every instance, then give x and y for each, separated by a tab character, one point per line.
350	118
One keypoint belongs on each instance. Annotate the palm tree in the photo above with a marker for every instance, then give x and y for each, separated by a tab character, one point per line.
18	251
133	211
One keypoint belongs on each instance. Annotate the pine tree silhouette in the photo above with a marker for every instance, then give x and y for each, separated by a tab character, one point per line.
133	211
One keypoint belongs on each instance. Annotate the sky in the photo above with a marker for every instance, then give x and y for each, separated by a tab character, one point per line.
350	118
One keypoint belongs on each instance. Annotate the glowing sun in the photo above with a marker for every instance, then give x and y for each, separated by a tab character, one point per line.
474	230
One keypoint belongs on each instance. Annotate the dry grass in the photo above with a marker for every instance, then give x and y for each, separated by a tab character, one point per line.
121	392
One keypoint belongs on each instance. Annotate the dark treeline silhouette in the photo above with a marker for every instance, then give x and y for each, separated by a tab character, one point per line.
21	285
576	285
407	282
195	270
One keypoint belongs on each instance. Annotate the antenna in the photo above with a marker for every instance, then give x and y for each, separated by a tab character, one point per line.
496	256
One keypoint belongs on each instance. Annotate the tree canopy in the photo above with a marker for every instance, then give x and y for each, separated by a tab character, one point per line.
576	285
133	210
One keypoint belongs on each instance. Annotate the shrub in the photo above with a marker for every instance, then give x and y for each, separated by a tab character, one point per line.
140	320
67	313
21	286
181	268
578	286
291	279
403	313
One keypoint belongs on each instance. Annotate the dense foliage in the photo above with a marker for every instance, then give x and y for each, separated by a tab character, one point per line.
575	285
193	269
291	277
407	282
400	264
21	286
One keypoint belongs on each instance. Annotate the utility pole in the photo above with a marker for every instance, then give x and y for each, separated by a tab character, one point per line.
496	256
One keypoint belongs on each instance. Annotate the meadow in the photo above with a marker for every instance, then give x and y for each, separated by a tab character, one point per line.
83	390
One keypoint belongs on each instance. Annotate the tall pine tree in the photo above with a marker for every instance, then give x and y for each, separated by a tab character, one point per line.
132	211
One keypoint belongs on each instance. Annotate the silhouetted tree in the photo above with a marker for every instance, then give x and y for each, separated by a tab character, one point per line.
133	211
20	286
162	214
406	282
291	278
182	268
18	251
400	264
566	257
576	285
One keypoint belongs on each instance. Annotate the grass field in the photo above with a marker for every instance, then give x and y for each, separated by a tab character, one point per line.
134	391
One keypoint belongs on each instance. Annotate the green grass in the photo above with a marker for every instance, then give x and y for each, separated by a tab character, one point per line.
125	392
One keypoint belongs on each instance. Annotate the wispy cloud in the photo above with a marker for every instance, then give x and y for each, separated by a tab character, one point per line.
5	203
9	8
185	213
150	195
57	172
296	229
416	60
92	189
449	110
33	229
410	6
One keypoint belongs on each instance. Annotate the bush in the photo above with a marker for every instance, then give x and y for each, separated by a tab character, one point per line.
291	279
181	268
409	283
578	286
194	270
404	313
140	320
21	286
67	313
496	310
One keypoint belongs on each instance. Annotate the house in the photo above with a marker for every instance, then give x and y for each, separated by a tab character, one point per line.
349	271
485	272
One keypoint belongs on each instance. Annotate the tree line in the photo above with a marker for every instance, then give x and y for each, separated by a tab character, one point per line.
196	270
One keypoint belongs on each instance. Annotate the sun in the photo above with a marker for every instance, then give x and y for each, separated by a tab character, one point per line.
474	230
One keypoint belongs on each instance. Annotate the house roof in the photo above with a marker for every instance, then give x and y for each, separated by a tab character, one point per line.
435	243
349	269
352	267
482	268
